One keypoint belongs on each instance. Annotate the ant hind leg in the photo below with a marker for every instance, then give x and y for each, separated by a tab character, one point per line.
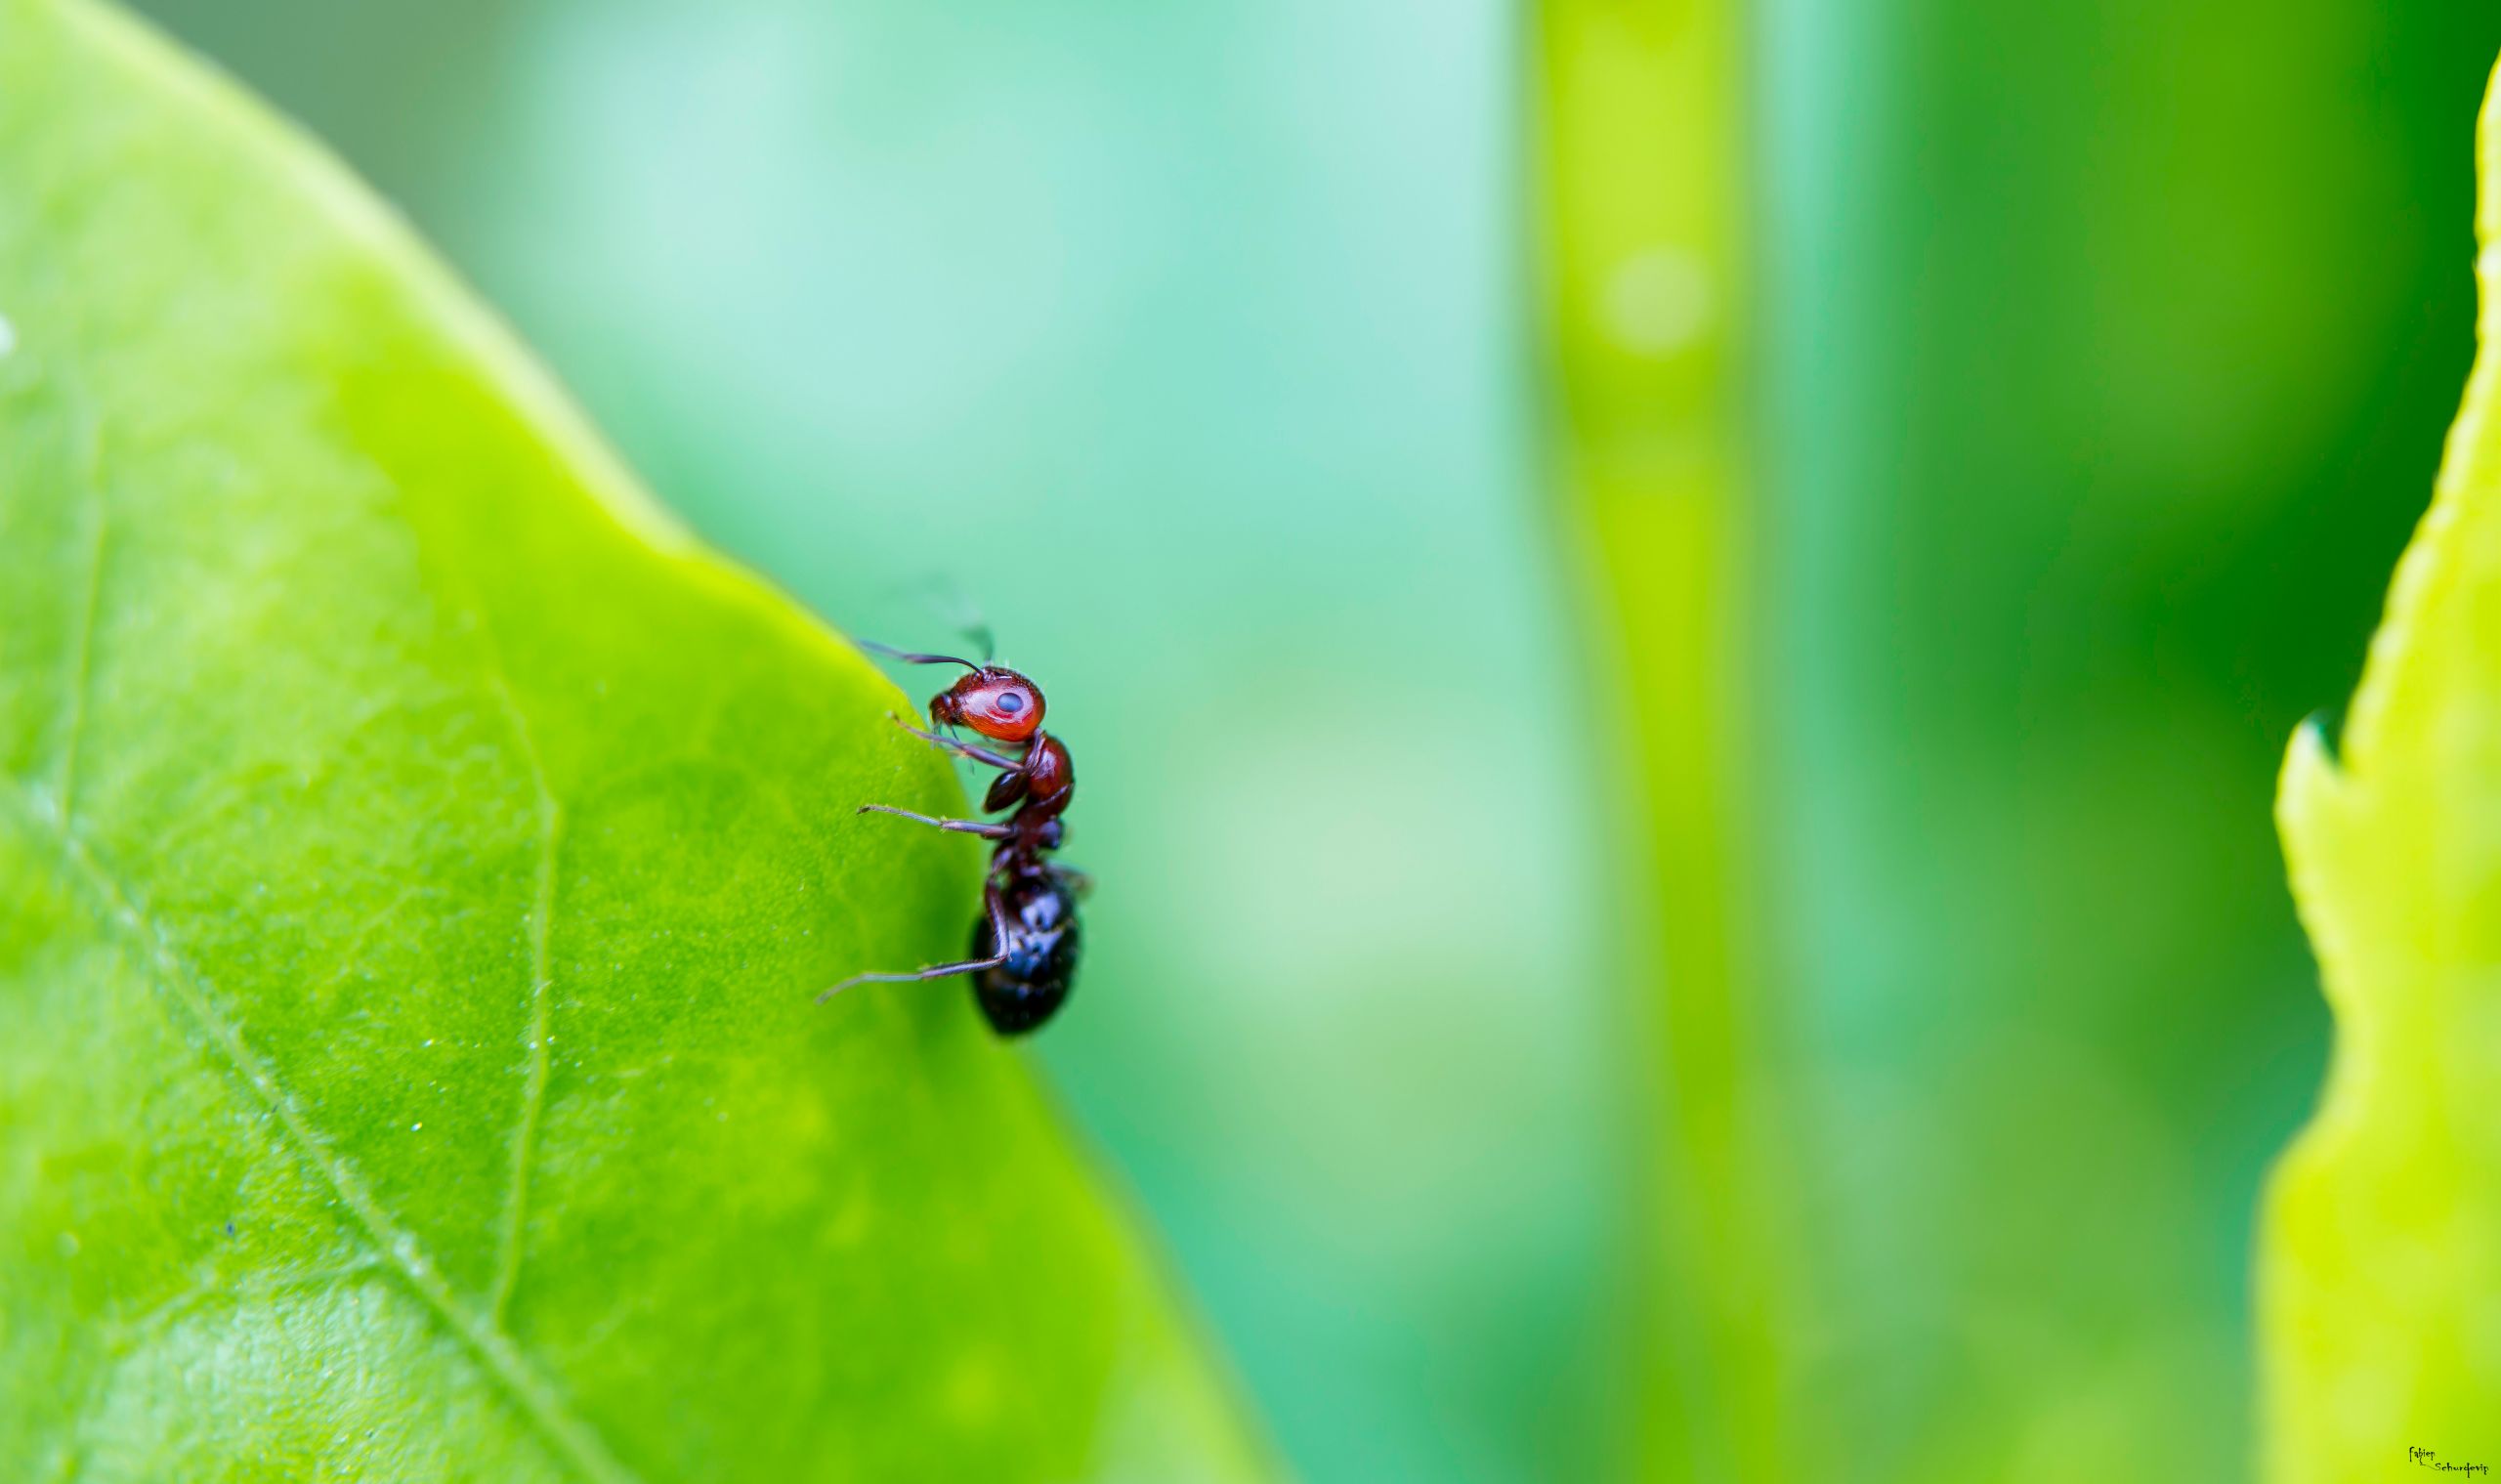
934	971
990	904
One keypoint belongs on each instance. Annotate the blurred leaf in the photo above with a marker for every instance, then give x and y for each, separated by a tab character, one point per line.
416	862
2380	1273
1643	133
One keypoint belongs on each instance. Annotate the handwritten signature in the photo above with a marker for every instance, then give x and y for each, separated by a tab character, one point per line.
2424	1457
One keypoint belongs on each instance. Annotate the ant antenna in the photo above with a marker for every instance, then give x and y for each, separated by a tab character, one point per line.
907	658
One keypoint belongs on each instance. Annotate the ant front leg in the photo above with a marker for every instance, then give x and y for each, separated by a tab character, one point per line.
967	749
983	827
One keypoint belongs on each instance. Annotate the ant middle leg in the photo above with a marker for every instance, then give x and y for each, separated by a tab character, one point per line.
986	829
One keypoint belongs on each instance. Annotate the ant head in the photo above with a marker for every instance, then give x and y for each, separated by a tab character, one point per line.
994	700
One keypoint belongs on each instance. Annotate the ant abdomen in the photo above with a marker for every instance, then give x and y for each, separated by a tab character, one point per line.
1033	972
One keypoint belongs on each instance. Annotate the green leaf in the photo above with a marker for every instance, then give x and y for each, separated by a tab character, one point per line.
2380	1273
418	860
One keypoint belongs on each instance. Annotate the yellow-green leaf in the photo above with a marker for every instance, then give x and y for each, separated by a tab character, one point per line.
2380	1273
416	862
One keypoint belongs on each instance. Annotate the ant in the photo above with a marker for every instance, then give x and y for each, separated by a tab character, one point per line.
1024	946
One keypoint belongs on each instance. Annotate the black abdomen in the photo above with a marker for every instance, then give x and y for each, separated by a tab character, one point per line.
1021	993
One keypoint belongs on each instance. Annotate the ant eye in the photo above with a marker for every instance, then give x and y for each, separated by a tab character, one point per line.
1011	703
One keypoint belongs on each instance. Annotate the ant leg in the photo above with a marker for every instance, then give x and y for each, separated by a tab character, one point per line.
997	905
934	971
983	827
990	903
977	754
1080	882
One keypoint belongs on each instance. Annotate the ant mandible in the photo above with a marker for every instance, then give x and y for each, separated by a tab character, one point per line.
1024	946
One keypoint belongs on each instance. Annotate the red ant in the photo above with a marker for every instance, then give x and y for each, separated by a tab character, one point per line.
1024	944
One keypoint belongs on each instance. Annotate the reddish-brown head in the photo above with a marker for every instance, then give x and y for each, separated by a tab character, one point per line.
992	700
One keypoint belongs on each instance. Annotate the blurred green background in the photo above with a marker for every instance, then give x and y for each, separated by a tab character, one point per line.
2096	368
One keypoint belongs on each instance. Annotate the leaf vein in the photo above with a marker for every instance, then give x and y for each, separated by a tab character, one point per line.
570	1439
543	912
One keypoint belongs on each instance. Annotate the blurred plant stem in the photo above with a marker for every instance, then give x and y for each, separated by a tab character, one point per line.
1644	228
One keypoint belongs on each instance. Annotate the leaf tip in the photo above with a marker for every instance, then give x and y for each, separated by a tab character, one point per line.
2488	157
2310	773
